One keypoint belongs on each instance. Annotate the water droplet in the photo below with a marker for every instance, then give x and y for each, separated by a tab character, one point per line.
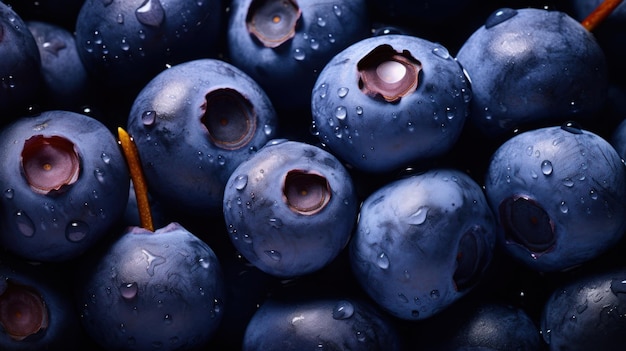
9	193
546	167
120	18
434	294
240	181
299	54
341	112
403	298
167	318
129	290
24	224
441	52
150	13
274	255
499	16
148	118
342	92
124	45
343	310
204	263
268	130
76	231
382	260
275	222
618	286
563	207
99	174
359	110
415	313
106	158
321	22
314	44
153	261
419	216
572	127
593	194
568	182
337	10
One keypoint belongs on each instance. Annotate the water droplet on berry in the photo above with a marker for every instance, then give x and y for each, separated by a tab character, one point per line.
499	16
299	54
382	260
76	231
568	182
240	181
24	224
341	112
150	13
129	290
434	294
441	52
419	216
99	174
9	193
274	255
572	127
343	310
148	118
337	10
321	22
342	92
546	167
618	286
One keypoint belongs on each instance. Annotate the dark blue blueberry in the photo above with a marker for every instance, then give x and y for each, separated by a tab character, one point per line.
532	67
193	124
423	242
560	196
66	83
309	324
64	184
125	43
37	309
389	100
587	312
62	13
20	75
152	290
290	208
284	45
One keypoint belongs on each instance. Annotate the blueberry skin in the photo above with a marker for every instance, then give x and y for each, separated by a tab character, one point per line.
527	68
374	135
288	72
177	133
62	224
160	290
271	232
320	323
125	43
423	242
560	196
587	312
66	83
53	300
20	76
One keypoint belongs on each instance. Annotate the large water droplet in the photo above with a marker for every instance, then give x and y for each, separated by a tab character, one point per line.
24	224
419	216
499	16
148	118
240	181
342	92
382	260
441	52
546	167
153	261
299	54
341	112
129	290
76	231
150	13
343	310
618	286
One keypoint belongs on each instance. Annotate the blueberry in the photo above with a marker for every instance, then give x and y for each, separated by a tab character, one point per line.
320	324
560	196
36	309
290	208
66	83
532	67
61	13
125	43
587	312
389	100
284	44
20	75
423	242
193	124
152	290
64	185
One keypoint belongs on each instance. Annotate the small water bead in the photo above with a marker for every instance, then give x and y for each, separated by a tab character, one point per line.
274	255
9	193
240	182
299	54
331	38
204	263
546	167
24	224
499	16
593	194
434	294
129	290
359	110
268	130
343	310
124	45
382	260
441	52
568	182
337	10
106	158
150	13
76	231
572	127
563	207
120	18
99	174
314	44
323	90
342	92
341	112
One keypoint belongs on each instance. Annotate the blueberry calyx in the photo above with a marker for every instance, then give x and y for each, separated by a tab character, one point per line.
23	312
273	22
49	163
472	259
229	118
387	73
305	192
526	223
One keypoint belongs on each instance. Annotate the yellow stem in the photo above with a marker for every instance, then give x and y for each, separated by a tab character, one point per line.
136	174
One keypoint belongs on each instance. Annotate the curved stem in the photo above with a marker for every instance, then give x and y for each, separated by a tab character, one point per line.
600	13
139	182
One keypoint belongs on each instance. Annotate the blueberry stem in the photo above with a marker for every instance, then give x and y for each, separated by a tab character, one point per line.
139	181
600	13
